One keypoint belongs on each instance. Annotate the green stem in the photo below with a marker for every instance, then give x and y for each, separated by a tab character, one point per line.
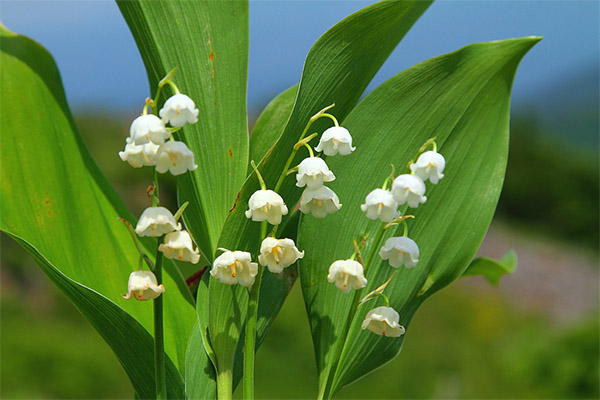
251	319
159	346
225	385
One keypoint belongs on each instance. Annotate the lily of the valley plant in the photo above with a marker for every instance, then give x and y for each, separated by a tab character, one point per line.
371	205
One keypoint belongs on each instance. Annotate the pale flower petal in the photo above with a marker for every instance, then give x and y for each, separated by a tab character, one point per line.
383	321
156	221
277	254
400	251
178	246
335	140
148	128
409	189
313	172
266	205
347	275
380	204
143	286
319	202
178	110
175	157
430	165
139	156
234	267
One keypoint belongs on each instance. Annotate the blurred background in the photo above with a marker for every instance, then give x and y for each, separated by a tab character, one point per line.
534	336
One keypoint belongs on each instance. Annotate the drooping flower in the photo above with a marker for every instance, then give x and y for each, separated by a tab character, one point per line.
156	221
313	172
430	165
400	250
233	267
380	204
139	156
178	110
383	321
335	140
148	128
277	254
178	246
347	275
175	157
266	205
319	202
143	286
409	189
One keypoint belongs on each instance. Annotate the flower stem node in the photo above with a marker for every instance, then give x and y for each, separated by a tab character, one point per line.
409	189
430	165
347	275
178	110
383	321
319	202
143	286
277	254
380	204
148	128
156	221
313	172
233	267
266	205
178	246
139	156
335	140
400	251
175	157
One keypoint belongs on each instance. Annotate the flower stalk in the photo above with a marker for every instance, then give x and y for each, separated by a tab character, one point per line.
159	346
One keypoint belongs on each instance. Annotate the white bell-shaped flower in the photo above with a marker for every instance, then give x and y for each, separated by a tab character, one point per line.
383	321
233	267
148	128
139	156
319	202
178	246
347	275
409	189
335	140
143	286
400	250
266	205
175	157
313	172
277	254
178	110
430	165
380	204
156	221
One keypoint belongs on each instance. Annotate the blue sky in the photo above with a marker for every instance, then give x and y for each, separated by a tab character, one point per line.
101	67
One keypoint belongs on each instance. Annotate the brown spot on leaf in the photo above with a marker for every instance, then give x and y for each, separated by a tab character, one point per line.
235	202
230	154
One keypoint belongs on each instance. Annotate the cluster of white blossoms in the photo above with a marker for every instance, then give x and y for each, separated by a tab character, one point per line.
265	205
150	143
147	143
409	190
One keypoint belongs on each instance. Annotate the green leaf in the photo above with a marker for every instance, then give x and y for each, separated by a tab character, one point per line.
461	98
57	203
200	376
208	43
492	269
337	70
270	124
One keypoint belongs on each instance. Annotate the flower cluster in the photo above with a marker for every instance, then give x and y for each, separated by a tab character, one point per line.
382	204
151	143
147	143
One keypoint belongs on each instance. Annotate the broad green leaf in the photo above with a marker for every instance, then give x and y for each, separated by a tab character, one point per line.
199	372
208	43
270	124
337	70
493	269
129	340
463	99
57	201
